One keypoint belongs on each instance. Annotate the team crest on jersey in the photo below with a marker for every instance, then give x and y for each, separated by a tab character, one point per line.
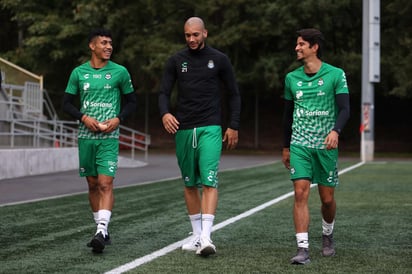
320	82
210	64
108	76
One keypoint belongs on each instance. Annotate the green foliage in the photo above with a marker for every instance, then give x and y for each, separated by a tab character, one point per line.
258	36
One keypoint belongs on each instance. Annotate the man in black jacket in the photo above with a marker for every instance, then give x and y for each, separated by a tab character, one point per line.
199	71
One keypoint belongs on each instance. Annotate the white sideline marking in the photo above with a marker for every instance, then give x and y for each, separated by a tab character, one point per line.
176	245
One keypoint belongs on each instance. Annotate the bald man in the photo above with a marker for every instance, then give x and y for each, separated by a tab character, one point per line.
199	70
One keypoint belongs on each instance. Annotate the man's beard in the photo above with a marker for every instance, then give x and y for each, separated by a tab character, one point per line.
199	47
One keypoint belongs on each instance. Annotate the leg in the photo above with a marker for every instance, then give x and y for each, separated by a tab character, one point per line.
327	199
106	192
209	200
328	210
192	198
94	195
209	204
301	219
106	201
101	200
300	208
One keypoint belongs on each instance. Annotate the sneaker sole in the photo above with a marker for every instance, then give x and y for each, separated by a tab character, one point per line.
97	245
300	262
207	251
189	249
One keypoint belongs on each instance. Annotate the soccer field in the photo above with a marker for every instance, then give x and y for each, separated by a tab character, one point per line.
372	232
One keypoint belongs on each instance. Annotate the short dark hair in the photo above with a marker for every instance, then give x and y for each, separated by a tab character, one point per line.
313	36
99	32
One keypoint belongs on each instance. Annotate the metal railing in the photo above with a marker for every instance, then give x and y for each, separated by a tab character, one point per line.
21	128
59	133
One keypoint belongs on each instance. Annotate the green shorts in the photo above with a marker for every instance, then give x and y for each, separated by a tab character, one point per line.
98	157
320	166
198	154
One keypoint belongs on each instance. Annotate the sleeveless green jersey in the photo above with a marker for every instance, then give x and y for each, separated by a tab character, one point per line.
315	108
100	93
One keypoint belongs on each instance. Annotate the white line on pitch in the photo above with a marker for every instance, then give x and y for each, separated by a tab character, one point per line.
161	252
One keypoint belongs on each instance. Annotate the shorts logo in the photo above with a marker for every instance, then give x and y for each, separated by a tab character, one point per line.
292	170
212	176
187	179
112	166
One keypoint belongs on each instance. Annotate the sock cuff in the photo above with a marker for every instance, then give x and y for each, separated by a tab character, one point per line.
195	217
209	217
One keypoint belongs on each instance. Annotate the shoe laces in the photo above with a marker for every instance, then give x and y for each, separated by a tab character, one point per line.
327	240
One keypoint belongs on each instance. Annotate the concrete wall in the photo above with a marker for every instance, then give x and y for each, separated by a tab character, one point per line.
35	161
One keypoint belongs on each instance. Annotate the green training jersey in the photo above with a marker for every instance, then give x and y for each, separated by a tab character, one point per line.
100	93
315	108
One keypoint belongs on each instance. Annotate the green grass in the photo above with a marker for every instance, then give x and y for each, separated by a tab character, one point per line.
372	232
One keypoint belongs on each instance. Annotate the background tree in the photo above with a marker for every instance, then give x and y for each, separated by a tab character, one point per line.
49	37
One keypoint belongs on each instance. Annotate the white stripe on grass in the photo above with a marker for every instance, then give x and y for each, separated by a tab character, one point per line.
161	252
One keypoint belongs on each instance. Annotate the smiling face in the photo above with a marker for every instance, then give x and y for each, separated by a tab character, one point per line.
195	34
304	50
101	47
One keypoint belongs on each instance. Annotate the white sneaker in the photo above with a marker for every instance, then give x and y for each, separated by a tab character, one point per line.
192	244
206	247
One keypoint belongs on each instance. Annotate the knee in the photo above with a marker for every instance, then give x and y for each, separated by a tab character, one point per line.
93	187
328	202
105	187
301	194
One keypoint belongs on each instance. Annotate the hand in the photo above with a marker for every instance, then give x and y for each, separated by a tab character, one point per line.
231	137
90	123
286	157
332	140
170	123
109	125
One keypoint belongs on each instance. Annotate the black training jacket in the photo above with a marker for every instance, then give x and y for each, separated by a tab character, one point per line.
199	76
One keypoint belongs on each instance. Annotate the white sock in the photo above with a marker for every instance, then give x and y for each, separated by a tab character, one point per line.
302	239
196	221
103	221
207	223
327	228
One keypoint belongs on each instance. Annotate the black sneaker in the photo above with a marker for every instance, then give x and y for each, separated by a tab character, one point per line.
302	256
328	245
97	243
107	241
